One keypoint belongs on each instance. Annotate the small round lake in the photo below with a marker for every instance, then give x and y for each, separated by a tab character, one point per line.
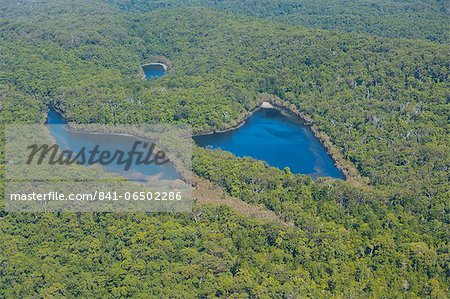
279	140
154	70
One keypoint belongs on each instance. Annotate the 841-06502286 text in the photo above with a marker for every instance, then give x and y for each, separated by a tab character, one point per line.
98	196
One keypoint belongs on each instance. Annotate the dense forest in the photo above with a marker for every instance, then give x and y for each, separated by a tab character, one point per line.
390	18
384	103
410	19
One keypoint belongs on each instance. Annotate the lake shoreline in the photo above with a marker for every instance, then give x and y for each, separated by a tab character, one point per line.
235	127
349	171
183	172
347	168
263	105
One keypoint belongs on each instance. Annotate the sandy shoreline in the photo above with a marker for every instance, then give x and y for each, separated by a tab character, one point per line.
346	167
266	105
350	172
263	105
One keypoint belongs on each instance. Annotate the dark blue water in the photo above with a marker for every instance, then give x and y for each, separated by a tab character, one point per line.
153	71
69	140
270	136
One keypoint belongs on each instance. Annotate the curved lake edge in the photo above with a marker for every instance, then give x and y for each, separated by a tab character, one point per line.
347	168
143	74
184	174
240	124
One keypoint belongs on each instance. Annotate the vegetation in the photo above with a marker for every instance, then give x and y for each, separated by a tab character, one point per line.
383	102
408	19
389	18
354	229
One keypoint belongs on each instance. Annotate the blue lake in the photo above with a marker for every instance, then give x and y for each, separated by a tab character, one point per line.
75	141
279	140
267	135
153	71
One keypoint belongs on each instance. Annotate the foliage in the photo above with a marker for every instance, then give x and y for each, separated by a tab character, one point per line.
407	19
383	102
356	230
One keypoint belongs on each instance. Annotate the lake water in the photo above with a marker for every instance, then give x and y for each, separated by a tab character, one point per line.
267	135
153	71
270	136
74	141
